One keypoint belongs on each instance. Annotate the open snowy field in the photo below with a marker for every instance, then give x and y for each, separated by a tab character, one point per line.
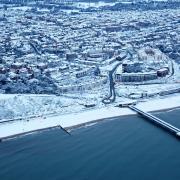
14	106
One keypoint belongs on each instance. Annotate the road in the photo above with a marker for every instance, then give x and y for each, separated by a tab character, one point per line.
112	94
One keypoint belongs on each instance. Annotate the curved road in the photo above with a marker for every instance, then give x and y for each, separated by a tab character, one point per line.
112	95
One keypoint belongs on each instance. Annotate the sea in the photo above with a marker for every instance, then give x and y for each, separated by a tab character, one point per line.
123	148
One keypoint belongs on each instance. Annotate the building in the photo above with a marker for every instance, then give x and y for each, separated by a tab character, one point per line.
136	77
162	72
130	67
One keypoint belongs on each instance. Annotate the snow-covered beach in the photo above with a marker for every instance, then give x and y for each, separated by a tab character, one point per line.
68	121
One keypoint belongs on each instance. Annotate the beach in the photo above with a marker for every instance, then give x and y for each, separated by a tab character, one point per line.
69	121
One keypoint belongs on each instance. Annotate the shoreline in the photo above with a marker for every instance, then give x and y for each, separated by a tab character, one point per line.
75	120
106	119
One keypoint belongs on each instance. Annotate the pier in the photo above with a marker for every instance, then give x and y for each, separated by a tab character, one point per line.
157	121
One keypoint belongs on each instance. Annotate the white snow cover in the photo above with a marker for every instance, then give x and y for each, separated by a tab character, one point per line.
75	119
13	106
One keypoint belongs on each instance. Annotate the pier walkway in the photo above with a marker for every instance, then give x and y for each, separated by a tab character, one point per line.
157	121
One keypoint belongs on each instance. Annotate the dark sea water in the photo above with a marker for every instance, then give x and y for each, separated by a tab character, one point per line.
127	148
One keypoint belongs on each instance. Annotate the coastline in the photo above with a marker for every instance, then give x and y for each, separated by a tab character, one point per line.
74	120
